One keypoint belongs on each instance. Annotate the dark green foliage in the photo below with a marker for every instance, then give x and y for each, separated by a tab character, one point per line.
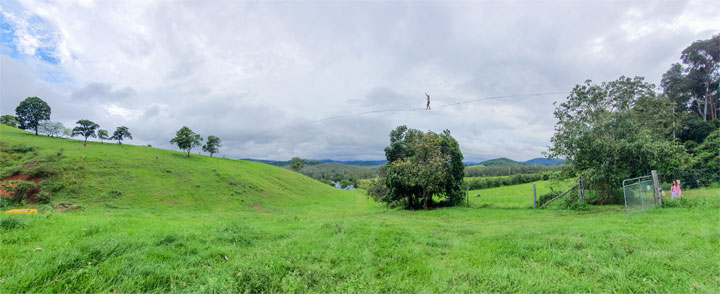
85	129
21	190
120	134
43	197
377	189
213	145
186	139
30	112
297	163
421	166
547	197
9	120
613	131
5	202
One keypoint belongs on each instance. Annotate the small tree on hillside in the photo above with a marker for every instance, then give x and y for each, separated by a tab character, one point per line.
297	163
102	135
212	146
85	128
186	139
66	132
51	128
9	120
30	112
120	134
422	165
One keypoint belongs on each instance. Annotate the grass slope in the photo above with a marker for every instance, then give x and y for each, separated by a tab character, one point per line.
185	231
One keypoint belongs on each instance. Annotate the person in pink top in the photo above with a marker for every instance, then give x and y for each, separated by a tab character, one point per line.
678	191
672	190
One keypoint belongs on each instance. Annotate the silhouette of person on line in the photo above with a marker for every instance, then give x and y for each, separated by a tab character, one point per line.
428	102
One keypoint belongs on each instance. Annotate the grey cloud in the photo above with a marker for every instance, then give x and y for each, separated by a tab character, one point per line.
264	75
102	92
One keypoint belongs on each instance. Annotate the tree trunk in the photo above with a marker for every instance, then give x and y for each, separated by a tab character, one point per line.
211	154
425	200
36	130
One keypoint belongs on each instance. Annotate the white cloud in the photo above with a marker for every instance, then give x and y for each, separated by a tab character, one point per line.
263	75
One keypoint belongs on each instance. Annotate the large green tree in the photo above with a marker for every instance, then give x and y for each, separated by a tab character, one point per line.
186	139
9	120
120	134
85	128
30	112
212	145
422	165
687	84
613	131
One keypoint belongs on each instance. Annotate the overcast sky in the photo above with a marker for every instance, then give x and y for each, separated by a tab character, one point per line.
297	78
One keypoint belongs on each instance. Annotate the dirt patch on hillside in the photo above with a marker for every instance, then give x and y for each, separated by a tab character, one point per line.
18	177
62	206
258	208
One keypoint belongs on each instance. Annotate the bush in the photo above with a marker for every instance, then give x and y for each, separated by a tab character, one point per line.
377	189
21	189
43	197
5	202
547	197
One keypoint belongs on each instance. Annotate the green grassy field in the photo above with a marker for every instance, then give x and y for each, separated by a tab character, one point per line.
203	224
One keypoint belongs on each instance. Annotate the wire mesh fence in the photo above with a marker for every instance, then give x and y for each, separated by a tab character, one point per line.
639	194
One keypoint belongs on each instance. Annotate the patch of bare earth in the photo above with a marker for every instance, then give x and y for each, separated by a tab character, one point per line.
18	177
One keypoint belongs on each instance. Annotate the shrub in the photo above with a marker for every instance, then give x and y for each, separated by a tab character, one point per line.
43	197
22	189
547	197
5	202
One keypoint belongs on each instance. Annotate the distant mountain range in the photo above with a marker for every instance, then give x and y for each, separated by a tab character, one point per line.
365	163
374	163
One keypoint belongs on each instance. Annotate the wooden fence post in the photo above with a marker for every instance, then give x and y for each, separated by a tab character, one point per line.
656	186
580	188
534	197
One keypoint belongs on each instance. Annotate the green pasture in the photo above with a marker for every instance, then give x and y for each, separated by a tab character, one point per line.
207	225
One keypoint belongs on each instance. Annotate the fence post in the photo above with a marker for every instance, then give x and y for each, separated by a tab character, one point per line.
580	188
656	186
534	197
467	195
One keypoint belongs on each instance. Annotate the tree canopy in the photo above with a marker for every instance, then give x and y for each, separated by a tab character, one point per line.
422	165
212	145
120	134
297	163
687	84
186	139
30	112
85	128
613	131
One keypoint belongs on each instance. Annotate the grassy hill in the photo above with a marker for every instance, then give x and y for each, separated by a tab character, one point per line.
202	225
135	176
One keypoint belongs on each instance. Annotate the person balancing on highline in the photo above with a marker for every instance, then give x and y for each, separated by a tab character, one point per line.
428	102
